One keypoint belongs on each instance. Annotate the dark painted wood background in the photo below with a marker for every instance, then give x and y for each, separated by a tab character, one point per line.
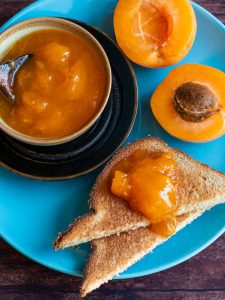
202	277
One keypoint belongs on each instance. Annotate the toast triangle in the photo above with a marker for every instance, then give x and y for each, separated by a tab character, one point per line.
114	254
198	188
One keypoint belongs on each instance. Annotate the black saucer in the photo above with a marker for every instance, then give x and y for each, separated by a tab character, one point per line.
93	148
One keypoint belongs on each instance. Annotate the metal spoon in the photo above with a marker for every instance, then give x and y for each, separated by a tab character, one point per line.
8	71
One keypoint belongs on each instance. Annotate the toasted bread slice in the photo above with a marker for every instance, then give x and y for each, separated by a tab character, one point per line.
198	187
114	254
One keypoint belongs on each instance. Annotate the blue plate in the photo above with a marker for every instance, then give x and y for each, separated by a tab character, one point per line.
33	212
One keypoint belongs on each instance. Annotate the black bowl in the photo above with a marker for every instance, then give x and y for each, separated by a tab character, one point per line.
84	154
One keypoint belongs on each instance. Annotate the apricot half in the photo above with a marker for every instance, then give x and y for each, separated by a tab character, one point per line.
190	103
155	33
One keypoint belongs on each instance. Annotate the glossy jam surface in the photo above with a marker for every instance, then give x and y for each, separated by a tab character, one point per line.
60	89
165	228
148	182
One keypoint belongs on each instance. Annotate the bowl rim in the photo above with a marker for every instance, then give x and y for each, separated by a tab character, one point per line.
36	22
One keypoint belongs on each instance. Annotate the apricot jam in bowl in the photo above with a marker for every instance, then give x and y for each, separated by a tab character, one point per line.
62	89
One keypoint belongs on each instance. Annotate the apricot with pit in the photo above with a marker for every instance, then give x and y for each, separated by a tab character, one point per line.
190	103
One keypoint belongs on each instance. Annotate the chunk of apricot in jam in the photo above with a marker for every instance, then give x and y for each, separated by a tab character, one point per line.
55	53
52	124
34	102
147	182
120	185
76	81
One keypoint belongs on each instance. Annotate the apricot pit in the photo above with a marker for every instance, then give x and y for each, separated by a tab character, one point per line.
194	101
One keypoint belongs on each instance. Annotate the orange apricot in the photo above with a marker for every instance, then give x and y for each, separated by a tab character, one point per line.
190	103
155	33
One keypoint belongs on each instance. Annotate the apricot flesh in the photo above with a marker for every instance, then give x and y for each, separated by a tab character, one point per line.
155	33
163	109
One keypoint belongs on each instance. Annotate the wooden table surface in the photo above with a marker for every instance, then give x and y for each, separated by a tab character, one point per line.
201	277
